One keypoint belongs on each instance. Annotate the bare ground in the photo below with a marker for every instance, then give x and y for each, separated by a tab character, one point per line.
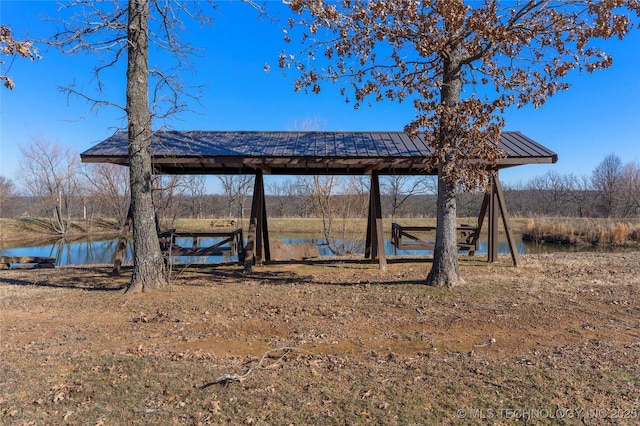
556	341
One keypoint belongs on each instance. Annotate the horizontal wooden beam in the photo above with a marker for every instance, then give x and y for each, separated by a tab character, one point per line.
416	166
42	262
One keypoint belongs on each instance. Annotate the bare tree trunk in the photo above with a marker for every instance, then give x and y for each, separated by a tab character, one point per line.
445	271
148	265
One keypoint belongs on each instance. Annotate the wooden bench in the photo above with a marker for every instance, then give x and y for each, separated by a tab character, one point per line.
405	238
231	244
39	262
223	223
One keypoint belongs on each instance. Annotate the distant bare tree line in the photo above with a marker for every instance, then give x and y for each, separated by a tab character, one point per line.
612	190
58	187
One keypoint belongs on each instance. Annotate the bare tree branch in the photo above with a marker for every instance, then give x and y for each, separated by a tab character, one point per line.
13	48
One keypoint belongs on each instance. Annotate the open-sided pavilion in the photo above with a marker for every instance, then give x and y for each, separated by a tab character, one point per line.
318	153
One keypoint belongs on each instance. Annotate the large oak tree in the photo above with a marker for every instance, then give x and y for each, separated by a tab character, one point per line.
112	31
460	64
148	270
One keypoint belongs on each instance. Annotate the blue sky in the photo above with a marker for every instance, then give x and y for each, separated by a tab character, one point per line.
599	115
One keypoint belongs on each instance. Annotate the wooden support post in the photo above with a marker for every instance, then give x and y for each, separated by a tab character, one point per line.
122	242
373	236
259	247
252	236
505	222
378	254
483	211
481	216
367	244
265	228
492	249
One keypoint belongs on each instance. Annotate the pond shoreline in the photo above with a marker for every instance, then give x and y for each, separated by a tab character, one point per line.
100	250
540	235
585	232
30	229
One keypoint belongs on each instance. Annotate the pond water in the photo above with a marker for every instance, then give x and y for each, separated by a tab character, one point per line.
90	251
85	251
391	250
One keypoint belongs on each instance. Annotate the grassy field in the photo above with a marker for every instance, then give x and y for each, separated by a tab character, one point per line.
583	231
556	341
12	229
34	228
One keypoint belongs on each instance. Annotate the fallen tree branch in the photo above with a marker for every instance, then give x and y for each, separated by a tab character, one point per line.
227	378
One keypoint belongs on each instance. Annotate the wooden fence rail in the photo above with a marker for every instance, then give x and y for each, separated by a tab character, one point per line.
414	237
39	262
231	243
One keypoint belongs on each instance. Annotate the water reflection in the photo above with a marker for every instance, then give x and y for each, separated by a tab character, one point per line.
89	251
84	251
391	250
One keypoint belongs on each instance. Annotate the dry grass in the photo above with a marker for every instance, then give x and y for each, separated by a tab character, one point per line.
313	226
39	228
582	232
36	227
561	334
11	229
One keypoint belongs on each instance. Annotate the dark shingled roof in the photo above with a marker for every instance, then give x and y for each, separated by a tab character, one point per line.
220	152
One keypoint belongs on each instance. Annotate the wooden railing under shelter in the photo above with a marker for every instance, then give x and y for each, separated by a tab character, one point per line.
227	243
415	237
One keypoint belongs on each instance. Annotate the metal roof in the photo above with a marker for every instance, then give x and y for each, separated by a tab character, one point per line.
222	152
